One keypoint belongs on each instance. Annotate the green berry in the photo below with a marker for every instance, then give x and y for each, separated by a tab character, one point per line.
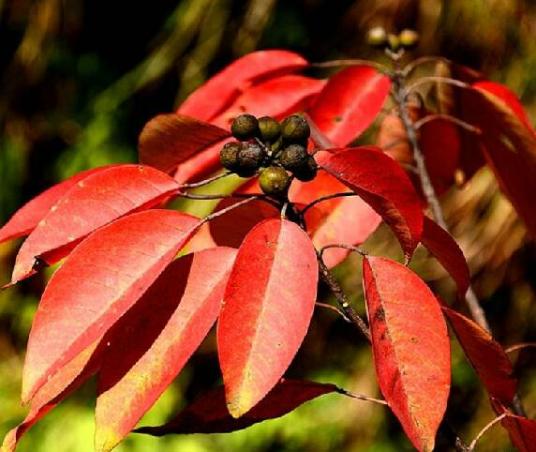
229	155
250	156
245	127
295	129
269	128
377	37
307	171
274	180
293	156
394	42
408	39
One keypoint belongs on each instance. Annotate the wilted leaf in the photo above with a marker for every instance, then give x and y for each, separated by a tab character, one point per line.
170	139
445	249
219	92
103	277
410	345
487	357
384	185
268	305
91	203
209	413
175	314
349	103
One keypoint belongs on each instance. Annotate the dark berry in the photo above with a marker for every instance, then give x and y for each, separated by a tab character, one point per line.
293	156
245	127
408	39
307	171
274	180
250	156
229	155
269	129
295	129
377	37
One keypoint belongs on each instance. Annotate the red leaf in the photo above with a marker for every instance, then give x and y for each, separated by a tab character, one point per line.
25	219
410	345
268	305
445	249
509	148
441	147
101	279
507	97
209	414
522	431
144	358
219	92
384	185
276	97
349	103
340	220
488	358
230	229
170	139
93	202
63	383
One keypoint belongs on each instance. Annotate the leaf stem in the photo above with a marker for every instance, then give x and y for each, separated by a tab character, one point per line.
325	198
357	396
207	181
341	298
399	93
484	430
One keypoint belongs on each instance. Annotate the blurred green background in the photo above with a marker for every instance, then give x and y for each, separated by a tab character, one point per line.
80	78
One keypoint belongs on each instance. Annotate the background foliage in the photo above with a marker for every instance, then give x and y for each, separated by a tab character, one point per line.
80	78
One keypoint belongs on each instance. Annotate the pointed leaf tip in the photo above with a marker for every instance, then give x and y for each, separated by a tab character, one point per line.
277	304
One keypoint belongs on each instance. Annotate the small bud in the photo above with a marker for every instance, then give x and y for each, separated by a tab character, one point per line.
307	171
245	127
250	156
293	156
377	37
394	42
229	155
295	129
274	180
275	147
408	39
269	128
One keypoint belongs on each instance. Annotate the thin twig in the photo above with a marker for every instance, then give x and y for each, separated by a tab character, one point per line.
399	94
357	396
411	66
352	62
433	79
520	346
464	125
484	430
340	296
210	197
343	246
325	198
333	308
206	181
223	211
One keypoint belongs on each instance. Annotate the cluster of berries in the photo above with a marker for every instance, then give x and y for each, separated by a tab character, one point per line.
274	148
406	39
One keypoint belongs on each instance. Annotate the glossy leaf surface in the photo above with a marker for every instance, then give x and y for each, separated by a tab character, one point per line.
93	202
103	277
410	346
268	305
169	322
383	184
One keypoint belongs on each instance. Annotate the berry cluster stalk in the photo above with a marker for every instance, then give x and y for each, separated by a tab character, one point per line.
399	94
